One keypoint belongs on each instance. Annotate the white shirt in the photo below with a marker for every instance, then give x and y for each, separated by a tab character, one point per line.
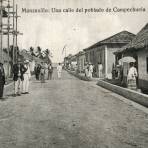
91	68
132	74
28	70
59	68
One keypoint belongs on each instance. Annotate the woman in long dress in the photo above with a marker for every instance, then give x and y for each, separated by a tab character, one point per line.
131	77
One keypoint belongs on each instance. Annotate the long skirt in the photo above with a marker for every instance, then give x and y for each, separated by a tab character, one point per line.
132	84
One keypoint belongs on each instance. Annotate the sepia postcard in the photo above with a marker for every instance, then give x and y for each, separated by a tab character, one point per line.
73	73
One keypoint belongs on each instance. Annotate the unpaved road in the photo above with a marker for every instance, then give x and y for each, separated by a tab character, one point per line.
70	113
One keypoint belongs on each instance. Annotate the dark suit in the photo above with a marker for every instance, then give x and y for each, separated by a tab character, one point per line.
16	72
2	80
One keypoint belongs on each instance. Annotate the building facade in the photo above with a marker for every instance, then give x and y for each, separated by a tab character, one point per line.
103	51
138	49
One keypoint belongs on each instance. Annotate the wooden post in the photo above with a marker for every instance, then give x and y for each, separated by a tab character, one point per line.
16	32
13	36
8	42
1	31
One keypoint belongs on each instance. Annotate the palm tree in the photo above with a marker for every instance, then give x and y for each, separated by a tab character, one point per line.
39	52
32	51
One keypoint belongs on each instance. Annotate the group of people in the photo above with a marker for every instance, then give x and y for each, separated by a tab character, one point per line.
41	70
44	71
21	76
89	69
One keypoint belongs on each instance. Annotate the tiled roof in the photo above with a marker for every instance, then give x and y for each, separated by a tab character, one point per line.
121	37
138	42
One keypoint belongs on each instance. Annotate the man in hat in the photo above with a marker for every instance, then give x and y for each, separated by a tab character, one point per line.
2	80
27	76
18	72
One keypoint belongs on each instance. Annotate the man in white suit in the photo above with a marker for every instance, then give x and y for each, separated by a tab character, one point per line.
27	76
59	70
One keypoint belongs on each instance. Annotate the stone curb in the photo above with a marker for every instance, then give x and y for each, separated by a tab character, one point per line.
127	93
82	77
78	76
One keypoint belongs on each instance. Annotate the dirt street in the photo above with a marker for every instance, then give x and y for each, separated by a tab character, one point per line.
70	113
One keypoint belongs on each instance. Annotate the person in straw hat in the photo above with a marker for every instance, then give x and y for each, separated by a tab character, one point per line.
27	76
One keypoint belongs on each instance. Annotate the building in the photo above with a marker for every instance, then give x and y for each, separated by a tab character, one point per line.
102	52
138	48
81	60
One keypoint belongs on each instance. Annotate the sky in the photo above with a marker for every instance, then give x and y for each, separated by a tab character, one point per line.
76	30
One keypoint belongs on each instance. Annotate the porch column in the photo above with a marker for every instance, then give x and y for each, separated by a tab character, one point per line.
106	62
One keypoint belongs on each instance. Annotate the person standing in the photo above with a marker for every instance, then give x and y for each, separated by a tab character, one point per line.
27	76
42	73
50	71
37	71
18	72
90	70
2	80
131	77
59	70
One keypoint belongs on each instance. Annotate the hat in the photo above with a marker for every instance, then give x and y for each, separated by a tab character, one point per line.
26	61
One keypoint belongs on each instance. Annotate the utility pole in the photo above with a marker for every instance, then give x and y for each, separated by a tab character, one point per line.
1	31
8	32
16	33
13	36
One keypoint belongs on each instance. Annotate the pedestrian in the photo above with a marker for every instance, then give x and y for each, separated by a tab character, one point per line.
2	80
18	77
50	71
131	77
59	70
91	68
42	73
27	76
37	71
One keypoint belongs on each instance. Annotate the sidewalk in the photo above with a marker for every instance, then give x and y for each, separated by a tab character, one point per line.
127	93
82	76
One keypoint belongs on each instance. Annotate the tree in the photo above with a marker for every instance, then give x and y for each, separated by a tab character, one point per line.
32	51
39	52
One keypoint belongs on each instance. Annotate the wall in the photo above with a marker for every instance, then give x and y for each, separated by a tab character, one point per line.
142	64
110	60
142	69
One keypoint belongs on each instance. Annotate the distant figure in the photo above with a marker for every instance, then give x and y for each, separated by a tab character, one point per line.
50	71
59	70
27	76
2	80
42	73
131	77
18	77
37	71
91	68
46	70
